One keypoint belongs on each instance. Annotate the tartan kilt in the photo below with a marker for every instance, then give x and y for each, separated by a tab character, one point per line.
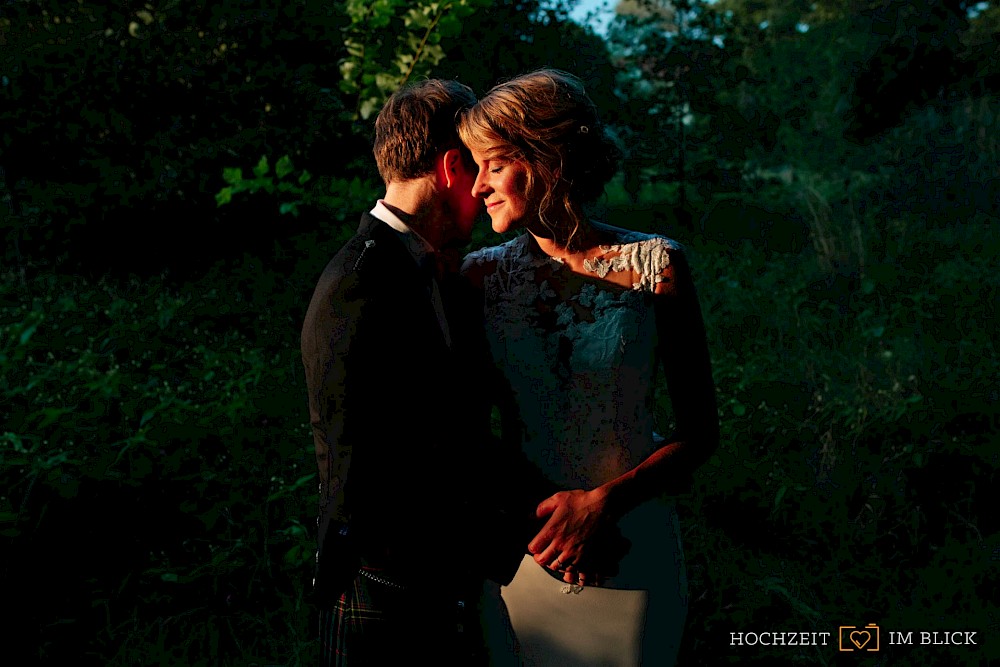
376	625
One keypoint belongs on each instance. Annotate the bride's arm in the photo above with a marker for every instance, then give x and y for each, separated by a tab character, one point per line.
576	517
683	353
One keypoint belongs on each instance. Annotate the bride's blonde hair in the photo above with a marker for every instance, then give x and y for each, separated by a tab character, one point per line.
546	121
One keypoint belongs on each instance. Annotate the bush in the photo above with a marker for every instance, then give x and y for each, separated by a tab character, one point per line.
157	471
857	427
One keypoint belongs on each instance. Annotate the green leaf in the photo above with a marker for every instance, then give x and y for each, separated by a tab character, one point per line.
50	415
15	440
232	175
295	530
354	49
169	576
293	487
357	10
305	177
387	82
27	333
368	107
415	18
289	207
434	52
739	409
380	20
449	26
224	196
778	496
262	167
284	166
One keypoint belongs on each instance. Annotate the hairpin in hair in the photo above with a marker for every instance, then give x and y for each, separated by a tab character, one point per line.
584	129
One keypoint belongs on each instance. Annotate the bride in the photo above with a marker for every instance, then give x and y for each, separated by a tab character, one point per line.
582	317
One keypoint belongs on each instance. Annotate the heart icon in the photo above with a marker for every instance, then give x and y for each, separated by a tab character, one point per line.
860	638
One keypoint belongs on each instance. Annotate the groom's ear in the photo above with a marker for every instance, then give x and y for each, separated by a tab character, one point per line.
449	165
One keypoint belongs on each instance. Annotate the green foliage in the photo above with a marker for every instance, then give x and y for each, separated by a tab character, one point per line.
390	42
338	198
719	93
187	409
849	482
263	181
138	109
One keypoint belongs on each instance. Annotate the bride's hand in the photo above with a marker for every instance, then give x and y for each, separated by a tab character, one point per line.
578	537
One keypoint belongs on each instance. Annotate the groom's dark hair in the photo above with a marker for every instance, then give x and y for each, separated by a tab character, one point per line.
416	124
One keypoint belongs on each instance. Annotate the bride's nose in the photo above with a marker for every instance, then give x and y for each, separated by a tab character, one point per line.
480	188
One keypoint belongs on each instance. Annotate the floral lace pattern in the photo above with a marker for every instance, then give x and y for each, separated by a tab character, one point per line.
581	368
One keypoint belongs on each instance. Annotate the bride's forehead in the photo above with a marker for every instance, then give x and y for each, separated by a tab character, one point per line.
490	152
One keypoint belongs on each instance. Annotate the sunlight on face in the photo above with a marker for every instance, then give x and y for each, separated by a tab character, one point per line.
502	184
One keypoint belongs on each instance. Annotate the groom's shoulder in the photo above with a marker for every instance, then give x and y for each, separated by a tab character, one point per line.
363	248
348	267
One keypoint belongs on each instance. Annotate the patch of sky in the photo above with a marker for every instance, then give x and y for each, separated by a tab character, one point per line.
598	14
977	9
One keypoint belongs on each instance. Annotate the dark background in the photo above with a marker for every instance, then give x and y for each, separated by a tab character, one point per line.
174	175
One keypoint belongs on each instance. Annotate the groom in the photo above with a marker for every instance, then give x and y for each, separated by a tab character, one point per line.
394	361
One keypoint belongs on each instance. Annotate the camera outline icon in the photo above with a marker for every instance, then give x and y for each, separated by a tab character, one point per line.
866	639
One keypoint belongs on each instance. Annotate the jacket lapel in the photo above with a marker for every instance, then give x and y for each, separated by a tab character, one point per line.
400	264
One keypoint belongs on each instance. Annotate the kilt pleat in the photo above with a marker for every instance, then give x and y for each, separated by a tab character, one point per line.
374	625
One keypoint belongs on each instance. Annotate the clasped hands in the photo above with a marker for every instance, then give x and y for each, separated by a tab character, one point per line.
580	538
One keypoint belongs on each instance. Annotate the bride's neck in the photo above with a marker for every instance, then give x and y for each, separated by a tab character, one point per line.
581	242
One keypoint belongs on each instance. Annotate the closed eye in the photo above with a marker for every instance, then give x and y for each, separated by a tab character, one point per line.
497	170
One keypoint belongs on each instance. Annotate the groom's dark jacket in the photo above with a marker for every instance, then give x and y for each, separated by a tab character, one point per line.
400	422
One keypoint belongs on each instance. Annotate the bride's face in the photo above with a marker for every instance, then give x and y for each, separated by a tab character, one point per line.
503	185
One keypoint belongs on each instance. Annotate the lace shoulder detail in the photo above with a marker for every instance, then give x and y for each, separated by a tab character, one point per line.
646	255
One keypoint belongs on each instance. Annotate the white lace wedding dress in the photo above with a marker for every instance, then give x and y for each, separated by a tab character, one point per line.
580	354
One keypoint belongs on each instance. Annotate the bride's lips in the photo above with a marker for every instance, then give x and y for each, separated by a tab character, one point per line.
490	207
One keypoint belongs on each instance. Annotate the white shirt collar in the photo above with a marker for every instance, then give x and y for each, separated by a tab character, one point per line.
382	212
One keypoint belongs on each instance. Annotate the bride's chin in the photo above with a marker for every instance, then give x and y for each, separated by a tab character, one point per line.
504	224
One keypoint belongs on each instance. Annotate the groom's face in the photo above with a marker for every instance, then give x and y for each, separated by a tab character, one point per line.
465	208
